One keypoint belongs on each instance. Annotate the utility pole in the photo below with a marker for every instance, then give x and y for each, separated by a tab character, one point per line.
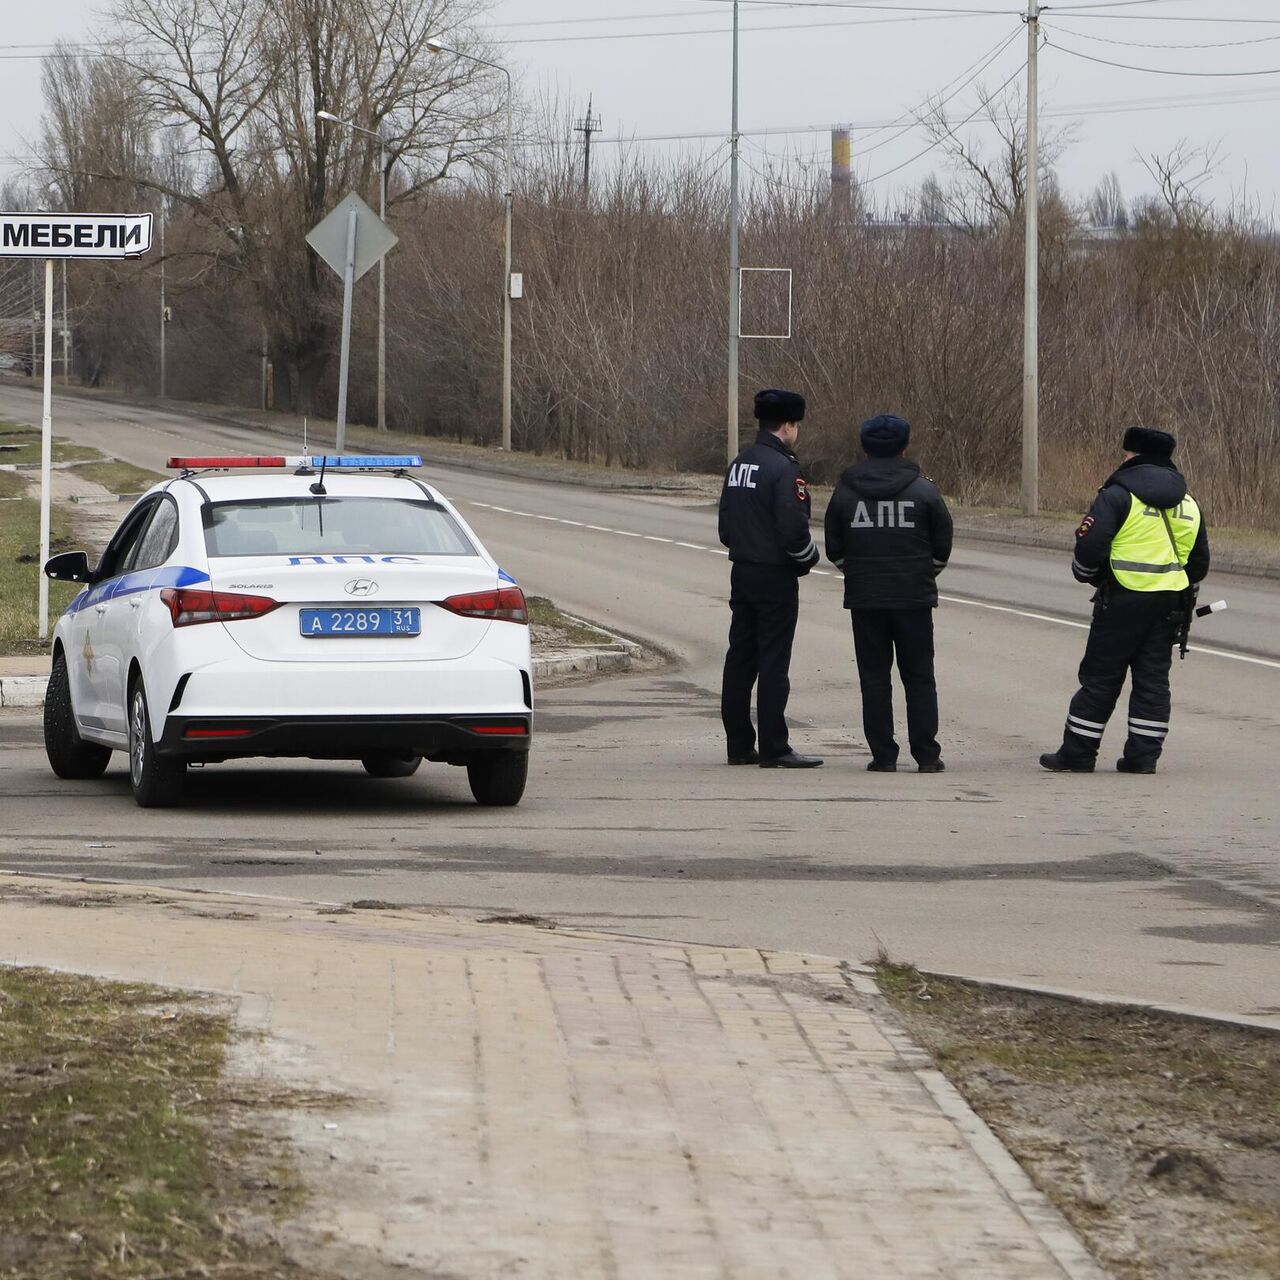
1031	280
35	362
164	310
731	434
586	127
382	286
66	331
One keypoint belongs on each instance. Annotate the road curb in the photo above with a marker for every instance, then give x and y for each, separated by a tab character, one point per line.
1037	1210
22	691
1118	1003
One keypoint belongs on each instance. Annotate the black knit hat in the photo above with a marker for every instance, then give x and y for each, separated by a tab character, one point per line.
1158	444
885	436
774	406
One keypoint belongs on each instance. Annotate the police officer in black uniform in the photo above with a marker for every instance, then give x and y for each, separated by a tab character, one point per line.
1143	545
764	521
889	531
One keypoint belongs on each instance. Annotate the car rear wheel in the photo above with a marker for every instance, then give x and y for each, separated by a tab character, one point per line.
498	777
391	766
157	781
70	756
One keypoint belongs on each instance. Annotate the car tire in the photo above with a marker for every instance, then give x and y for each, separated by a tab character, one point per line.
70	756
498	777
157	781
391	766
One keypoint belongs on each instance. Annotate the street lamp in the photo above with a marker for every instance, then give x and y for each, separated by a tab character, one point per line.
434	47
382	262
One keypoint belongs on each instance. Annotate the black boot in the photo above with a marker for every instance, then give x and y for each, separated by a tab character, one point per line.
1125	765
1056	762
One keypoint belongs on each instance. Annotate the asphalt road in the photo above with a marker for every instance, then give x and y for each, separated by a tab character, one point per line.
1164	888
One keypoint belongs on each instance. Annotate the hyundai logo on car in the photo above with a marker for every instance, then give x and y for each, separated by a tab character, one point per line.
361	587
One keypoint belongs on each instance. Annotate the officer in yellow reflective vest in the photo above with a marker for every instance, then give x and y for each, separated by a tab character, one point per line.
1143	545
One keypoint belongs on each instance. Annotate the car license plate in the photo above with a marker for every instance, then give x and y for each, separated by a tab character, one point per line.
360	622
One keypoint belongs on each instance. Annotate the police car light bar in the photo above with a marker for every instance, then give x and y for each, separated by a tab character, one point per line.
331	461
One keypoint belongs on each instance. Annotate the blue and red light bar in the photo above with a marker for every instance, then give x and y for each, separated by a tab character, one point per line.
332	461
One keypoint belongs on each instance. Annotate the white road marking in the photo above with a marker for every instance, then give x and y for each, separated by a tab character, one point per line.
827	573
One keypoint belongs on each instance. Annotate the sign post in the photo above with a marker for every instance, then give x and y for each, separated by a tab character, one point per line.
351	239
54	236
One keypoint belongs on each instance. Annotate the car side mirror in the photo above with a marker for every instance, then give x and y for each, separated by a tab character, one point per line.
70	566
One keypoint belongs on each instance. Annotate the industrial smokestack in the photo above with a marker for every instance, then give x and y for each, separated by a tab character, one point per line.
840	152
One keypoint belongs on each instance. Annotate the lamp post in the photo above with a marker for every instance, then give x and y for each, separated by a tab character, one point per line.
382	263
509	198
735	276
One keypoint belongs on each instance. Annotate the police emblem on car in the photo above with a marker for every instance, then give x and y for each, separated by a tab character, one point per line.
361	587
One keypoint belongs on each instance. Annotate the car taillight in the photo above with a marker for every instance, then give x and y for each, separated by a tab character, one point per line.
188	607
504	605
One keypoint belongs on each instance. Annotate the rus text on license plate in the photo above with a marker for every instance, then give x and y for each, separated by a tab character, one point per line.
360	622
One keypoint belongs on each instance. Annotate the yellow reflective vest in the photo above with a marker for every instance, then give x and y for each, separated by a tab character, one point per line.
1142	557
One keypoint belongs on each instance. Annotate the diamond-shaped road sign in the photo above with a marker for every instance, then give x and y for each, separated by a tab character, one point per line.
373	237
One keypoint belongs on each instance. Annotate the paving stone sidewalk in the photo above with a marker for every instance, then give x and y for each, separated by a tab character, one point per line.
548	1103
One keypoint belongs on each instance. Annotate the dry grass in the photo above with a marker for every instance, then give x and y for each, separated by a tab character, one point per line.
118	477
552	629
119	1153
19	574
1158	1137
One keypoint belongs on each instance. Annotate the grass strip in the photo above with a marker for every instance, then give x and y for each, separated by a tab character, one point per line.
1158	1137
118	477
20	574
112	1101
546	618
22	445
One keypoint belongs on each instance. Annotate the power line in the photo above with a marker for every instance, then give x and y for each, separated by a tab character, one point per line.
1144	44
1112	4
981	65
1161	71
1161	17
746	30
950	132
891	8
92	51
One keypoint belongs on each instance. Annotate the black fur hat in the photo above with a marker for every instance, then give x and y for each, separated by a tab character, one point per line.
1159	444
774	406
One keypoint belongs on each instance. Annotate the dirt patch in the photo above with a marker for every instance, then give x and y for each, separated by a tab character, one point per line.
123	1150
1157	1137
536	922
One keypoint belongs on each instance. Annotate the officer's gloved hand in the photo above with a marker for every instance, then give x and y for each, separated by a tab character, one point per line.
809	562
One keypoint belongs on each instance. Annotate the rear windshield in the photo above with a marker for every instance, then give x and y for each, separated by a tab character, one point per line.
333	526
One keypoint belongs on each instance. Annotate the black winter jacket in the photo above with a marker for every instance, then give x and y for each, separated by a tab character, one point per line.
1155	481
764	507
889	530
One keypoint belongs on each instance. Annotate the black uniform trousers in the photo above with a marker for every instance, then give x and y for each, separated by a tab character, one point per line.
1132	632
877	635
764	600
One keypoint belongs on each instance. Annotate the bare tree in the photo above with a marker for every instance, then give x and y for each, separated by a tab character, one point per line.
239	83
1106	206
991	183
1181	174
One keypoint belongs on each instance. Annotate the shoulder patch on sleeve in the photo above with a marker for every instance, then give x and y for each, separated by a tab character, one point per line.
802	489
1085	525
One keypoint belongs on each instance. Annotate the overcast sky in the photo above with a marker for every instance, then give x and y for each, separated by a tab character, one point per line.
662	67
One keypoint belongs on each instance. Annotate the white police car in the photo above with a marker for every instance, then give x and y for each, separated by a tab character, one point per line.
336	608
